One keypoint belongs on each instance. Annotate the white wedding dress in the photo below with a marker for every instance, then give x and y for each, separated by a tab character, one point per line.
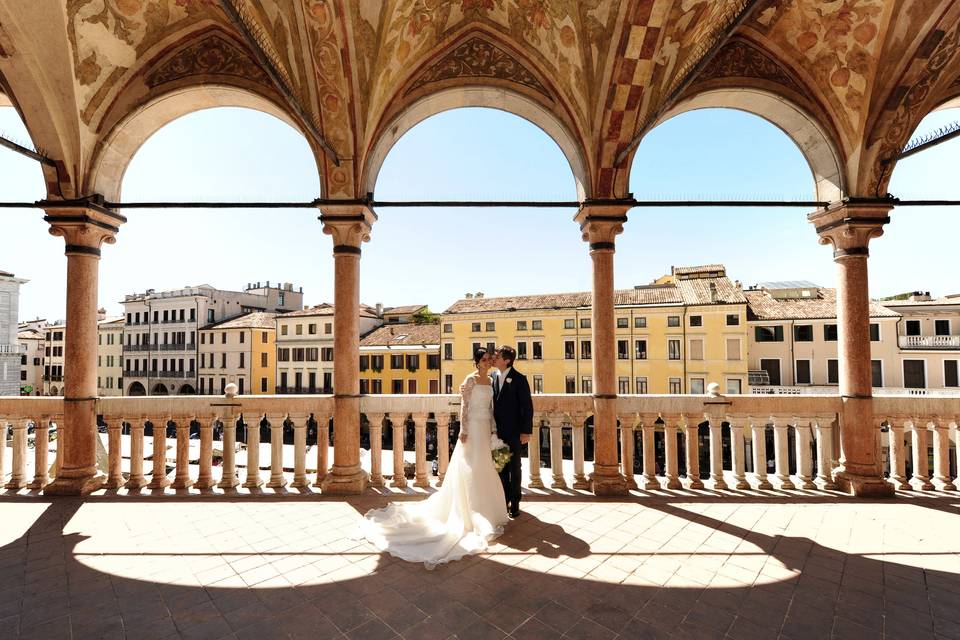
466	513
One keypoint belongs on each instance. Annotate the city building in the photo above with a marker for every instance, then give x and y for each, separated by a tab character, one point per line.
53	359
10	351
400	315
110	356
240	350
928	337
160	348
677	335
305	347
793	338
31	336
401	358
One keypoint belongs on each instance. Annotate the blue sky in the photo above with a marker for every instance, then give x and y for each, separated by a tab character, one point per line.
435	256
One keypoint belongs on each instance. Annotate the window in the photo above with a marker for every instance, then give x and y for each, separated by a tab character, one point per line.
640	349
913	327
915	374
641	385
569	323
491	347
203	360
586	352
585	323
193	315
376	386
673	349
448	351
675	386
696	349
474	348
830	332
733	348
364	386
397	387
876	373
310	354
448	383
326	354
734	387
312	329
433	361
166	315
803	333
448	328
623	349
623	386
396	362
623	323
570	384
874	332
941	327
696	321
772	367
537	350
264	337
283	329
569	350
491	326
298	329
243	337
263	384
223	361
696	386
413	362
521	325
299	354
283	355
364	363
586	385
803	372
640	322
769	334
327	328
538	384
376	363
223	338
264	360
537	325
733	320
521	350
950	373
240	386
242	364
475	327
833	371
673	321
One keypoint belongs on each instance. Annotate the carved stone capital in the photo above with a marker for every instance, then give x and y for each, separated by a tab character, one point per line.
849	227
601	223
349	224
84	224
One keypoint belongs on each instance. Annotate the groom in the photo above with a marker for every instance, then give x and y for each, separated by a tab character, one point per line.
513	413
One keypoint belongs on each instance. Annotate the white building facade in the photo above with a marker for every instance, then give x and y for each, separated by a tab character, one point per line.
10	352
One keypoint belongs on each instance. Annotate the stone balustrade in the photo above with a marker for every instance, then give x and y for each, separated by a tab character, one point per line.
665	442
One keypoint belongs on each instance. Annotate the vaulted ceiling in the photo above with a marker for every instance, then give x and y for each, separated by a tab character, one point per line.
861	72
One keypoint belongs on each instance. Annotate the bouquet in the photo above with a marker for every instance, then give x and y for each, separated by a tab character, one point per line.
500	451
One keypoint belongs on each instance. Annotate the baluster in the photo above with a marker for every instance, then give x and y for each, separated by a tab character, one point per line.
627	445
825	451
182	479
137	480
443	445
375	421
114	472
159	480
3	447
737	459
300	480
716	451
399	477
556	452
781	452
18	474
941	454
758	431
277	479
41	447
648	426
253	480
323	447
205	477
421	480
692	448
804	438
672	470
580	481
58	424
228	477
533	453
921	465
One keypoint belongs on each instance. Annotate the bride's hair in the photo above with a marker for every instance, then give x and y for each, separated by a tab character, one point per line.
478	355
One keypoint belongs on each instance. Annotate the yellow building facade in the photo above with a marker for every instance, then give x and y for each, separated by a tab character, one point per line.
241	351
675	336
401	359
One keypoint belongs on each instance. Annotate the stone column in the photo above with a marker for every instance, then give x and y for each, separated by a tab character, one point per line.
648	427
627	447
578	432
849	227
421	480
898	463
600	223
84	225
375	422
443	445
533	454
672	463
941	455
349	225
692	452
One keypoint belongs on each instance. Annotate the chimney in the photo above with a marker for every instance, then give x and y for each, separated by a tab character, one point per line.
379	308
737	284
713	292
468	296
479	294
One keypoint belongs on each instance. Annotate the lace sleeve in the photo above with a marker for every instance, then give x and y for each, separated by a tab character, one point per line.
466	390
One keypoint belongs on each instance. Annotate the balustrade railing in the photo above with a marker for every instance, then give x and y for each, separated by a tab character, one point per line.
929	342
666	442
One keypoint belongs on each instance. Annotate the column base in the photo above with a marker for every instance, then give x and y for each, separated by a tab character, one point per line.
204	484
231	482
345	485
631	482
535	483
135	484
651	482
181	485
863	486
741	483
558	482
719	483
580	482
608	485
114	483
694	482
75	486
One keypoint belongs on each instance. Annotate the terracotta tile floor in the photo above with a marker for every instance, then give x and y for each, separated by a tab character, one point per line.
689	565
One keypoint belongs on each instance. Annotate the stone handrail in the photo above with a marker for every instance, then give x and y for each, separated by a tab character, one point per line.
929	342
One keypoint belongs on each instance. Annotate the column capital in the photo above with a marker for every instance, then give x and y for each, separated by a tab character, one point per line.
349	224
601	221
84	224
849	226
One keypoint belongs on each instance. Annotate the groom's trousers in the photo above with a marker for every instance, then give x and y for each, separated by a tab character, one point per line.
511	475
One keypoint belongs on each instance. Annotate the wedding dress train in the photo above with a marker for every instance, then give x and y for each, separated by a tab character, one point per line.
466	513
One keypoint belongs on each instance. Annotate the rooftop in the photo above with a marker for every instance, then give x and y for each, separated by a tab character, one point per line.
762	306
402	334
410	308
252	320
953	300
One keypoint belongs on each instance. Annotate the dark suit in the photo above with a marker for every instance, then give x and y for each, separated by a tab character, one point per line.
513	412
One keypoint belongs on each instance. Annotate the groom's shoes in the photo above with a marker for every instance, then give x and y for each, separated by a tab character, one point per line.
514	512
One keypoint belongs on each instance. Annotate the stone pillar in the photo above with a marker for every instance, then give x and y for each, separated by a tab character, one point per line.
941	455
421	480
556	452
692	452
578	432
849	227
84	225
182	479
205	477
627	447
137	480
825	451
114	475
443	445
672	462
921	456
758	431
898	461
18	474
41	449
399	426
648	427
375	422
533	454
737	451
349	225
600	223
300	480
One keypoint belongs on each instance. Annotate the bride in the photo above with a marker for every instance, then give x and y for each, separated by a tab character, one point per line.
469	510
